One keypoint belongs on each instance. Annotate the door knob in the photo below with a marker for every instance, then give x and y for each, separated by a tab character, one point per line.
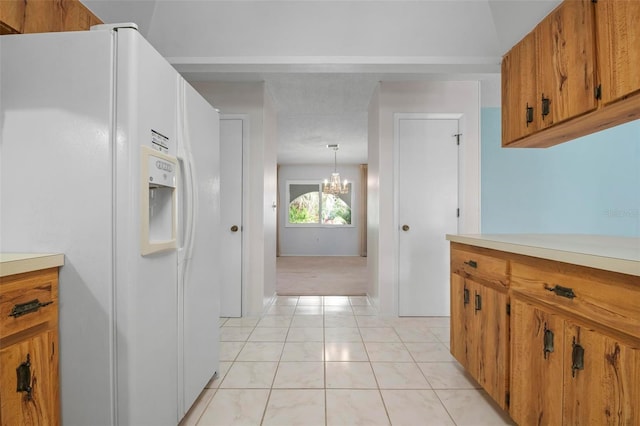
405	227
234	228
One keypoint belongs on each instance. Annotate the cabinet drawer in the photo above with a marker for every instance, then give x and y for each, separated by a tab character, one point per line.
480	265
601	297
28	300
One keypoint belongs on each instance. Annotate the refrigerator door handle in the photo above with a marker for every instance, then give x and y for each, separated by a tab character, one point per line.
186	207
190	193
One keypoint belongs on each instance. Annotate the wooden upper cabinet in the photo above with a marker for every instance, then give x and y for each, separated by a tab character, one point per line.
583	49
566	63
618	41
519	94
22	16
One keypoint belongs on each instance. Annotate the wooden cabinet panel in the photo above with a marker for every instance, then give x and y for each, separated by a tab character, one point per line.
608	299
588	379
460	319
480	334
519	91
27	300
29	336
566	64
536	374
618	46
12	16
476	263
21	16
492	334
39	407
606	390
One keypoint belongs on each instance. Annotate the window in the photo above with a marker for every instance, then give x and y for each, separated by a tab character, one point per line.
309	206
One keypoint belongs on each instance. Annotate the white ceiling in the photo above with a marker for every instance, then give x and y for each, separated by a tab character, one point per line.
321	59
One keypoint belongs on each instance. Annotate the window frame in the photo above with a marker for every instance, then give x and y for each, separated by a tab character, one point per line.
318	224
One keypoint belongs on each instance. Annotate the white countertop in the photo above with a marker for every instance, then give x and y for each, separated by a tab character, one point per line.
617	254
18	263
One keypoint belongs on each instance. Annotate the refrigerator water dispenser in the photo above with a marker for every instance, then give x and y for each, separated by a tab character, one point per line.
158	212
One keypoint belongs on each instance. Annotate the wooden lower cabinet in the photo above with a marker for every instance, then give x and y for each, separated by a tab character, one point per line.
29	375
38	358
566	373
480	335
605	389
536	365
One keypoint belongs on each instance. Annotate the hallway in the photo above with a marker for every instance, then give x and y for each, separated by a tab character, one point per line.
321	276
332	361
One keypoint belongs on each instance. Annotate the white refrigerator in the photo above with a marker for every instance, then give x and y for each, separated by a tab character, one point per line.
108	156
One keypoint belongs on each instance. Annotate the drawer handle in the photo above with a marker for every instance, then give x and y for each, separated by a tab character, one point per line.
24	378
472	263
577	358
548	341
561	291
27	308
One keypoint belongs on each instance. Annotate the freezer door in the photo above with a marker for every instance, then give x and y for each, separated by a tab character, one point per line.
146	285
199	271
56	195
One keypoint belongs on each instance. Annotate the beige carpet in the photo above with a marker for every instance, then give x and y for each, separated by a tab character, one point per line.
321	276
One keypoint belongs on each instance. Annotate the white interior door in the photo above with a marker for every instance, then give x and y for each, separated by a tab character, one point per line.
231	141
427	210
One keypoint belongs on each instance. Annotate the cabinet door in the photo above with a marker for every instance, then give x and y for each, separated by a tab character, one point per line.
40	407
536	365
566	75
492	334
462	321
601	379
519	95
618	38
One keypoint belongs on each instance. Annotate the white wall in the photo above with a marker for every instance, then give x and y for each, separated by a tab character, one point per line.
319	241
414	97
270	214
259	220
373	199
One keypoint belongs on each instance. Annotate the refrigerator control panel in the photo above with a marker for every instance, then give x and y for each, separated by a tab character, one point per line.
158	213
161	172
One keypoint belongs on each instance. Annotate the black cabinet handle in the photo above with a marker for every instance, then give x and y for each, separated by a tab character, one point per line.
548	341
529	115
577	358
466	296
561	291
545	106
472	263
24	378
478	302
27	308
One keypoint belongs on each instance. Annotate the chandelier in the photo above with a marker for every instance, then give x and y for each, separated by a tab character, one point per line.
334	186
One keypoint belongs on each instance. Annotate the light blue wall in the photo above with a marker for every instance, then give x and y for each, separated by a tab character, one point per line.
587	186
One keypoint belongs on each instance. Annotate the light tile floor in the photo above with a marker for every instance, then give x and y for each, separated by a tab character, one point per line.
331	361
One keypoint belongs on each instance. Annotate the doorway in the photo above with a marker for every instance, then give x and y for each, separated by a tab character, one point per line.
427	203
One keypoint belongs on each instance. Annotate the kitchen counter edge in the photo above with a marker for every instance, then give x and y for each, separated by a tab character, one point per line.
19	263
615	254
